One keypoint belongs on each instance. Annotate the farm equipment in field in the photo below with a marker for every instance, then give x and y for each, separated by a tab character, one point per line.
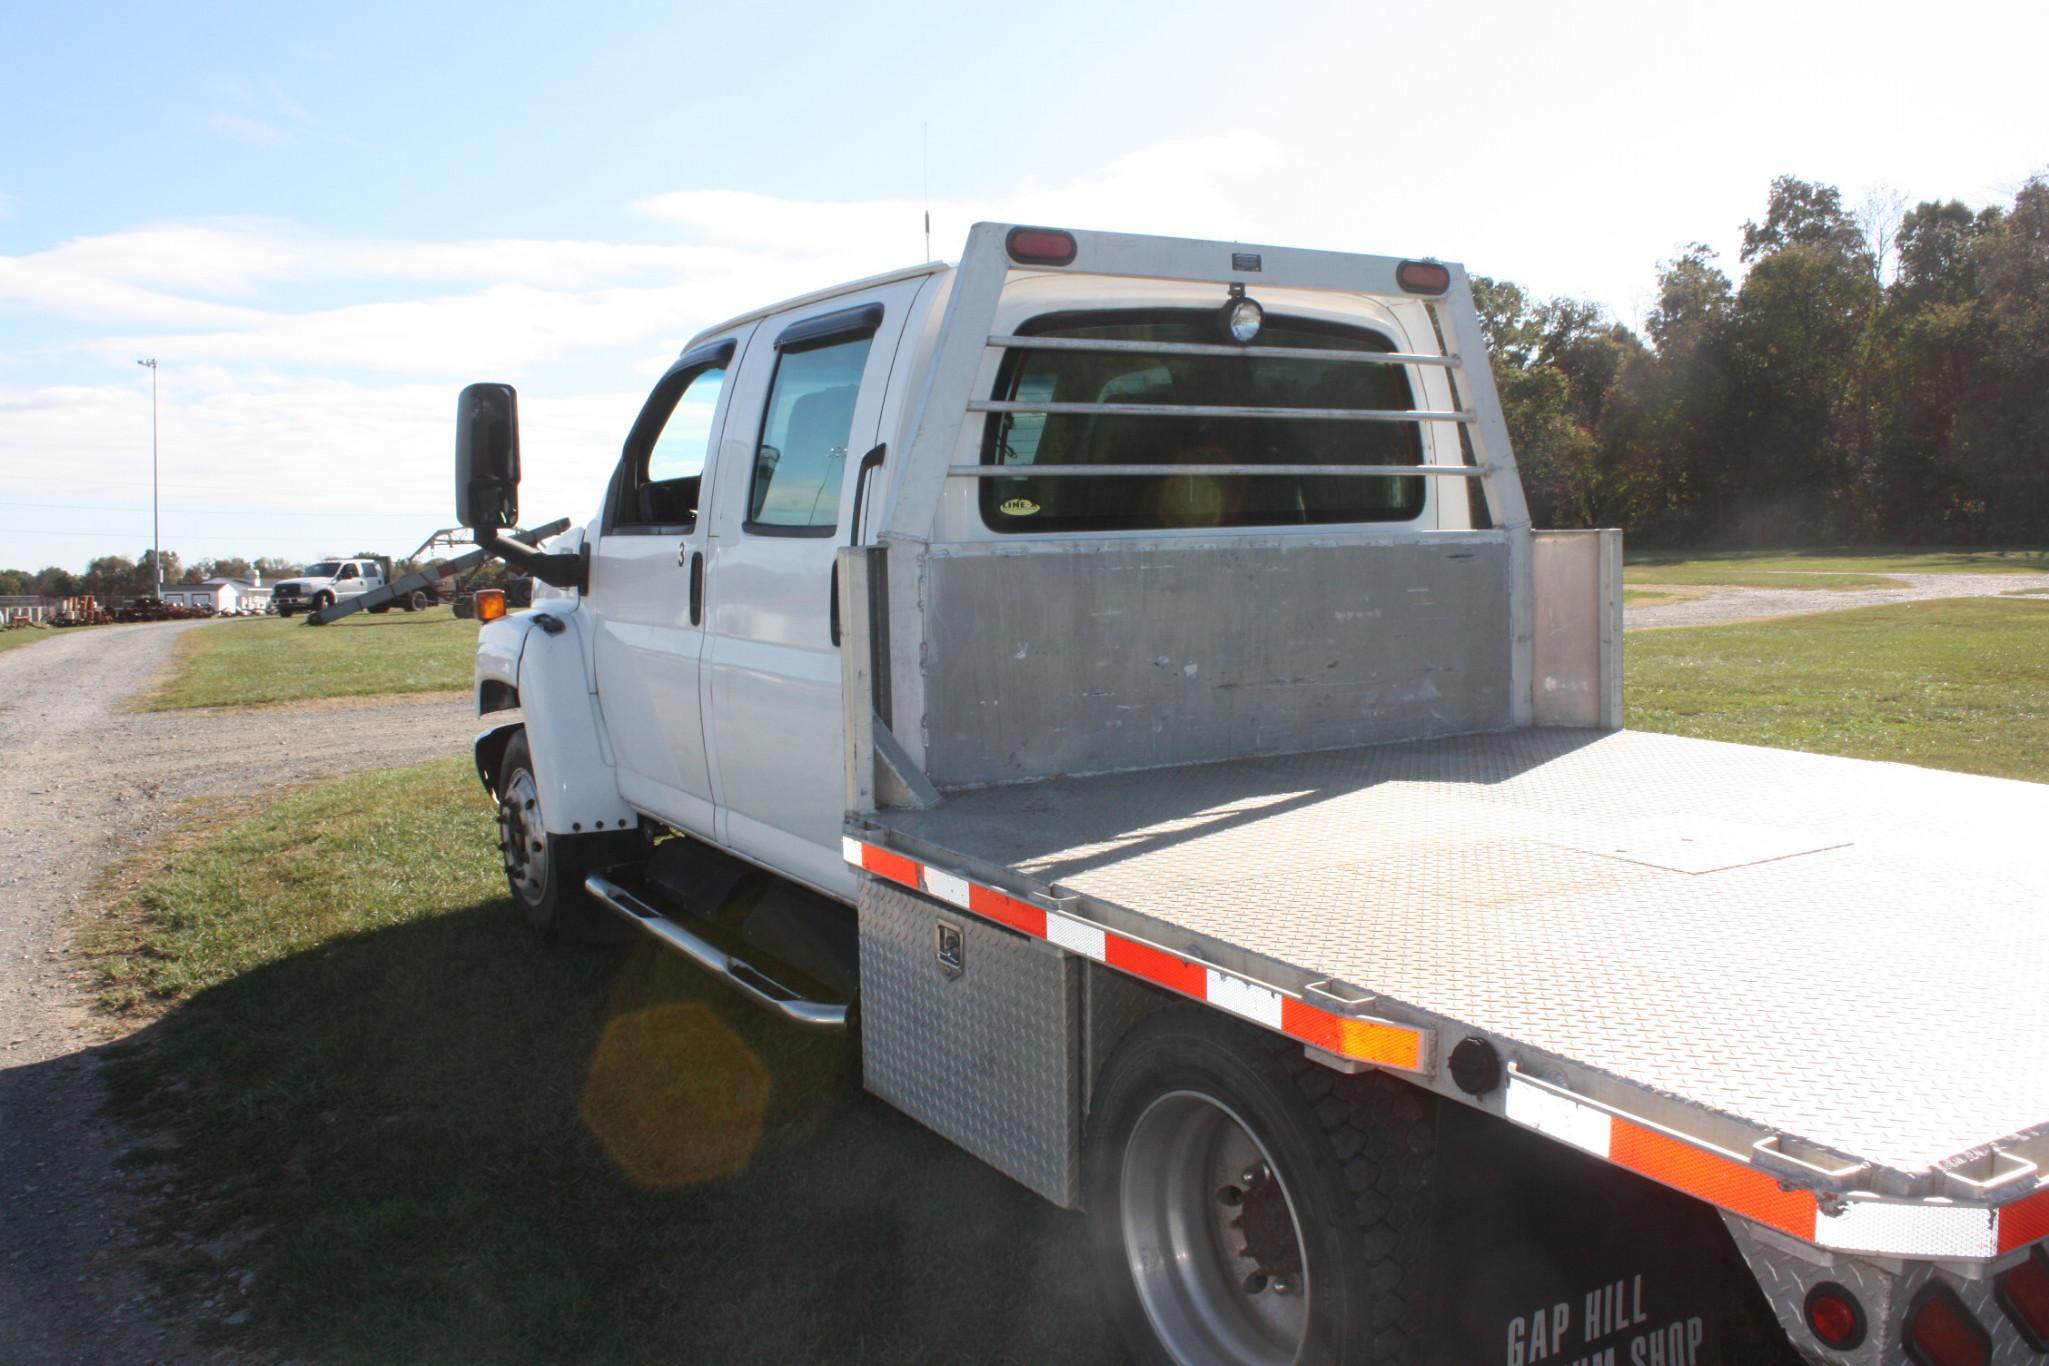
414	590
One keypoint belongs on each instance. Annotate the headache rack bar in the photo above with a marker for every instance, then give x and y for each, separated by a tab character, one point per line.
992	405
1215	471
1219	349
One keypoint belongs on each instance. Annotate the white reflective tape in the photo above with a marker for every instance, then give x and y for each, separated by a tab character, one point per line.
850	850
1072	934
1257	1004
1561	1117
948	888
1911	1230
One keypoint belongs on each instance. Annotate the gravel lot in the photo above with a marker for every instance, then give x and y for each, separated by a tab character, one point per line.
83	783
1713	606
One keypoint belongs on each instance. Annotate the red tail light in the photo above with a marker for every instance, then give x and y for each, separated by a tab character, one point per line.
2023	1293
1941	1332
1422	277
1835	1316
1040	246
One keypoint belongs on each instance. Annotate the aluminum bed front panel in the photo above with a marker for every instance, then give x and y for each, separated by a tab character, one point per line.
1849	953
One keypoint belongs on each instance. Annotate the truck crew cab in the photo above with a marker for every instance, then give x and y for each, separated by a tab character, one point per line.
1123	676
326	582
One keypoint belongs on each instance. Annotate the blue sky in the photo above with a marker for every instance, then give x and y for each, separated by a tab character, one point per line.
324	219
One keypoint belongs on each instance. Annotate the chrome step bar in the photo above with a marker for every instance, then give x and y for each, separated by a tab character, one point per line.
758	986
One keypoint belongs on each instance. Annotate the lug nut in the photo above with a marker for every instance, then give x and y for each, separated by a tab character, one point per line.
1283	1285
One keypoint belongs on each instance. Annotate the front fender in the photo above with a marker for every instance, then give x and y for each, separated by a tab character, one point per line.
499	646
579	787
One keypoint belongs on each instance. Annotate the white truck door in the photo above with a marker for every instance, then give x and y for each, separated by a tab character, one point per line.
646	590
808	407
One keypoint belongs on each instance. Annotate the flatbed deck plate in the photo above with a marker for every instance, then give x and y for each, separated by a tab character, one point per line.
1849	953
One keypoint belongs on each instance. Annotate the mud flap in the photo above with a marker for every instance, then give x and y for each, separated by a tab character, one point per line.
1545	1256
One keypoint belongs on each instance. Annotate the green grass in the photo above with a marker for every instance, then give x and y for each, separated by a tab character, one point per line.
1840	561
1649	597
268	660
1960	684
444	1140
28	635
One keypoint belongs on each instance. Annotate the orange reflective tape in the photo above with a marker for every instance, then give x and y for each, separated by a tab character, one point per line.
1367	1040
2024	1221
895	867
1389	1045
1718	1180
1318	1028
1007	910
1143	960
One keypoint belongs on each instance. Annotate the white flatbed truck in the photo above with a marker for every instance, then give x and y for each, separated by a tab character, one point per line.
1174	752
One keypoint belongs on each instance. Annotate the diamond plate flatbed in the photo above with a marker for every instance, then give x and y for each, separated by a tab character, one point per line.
1847	953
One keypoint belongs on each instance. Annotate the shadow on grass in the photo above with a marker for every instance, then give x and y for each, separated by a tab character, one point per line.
445	1140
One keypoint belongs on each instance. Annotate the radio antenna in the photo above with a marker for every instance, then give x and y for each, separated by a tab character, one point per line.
925	180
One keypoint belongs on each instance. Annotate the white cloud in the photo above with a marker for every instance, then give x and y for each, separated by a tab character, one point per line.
242	128
271	391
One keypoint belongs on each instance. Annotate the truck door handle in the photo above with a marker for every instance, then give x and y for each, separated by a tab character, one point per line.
833	615
696	588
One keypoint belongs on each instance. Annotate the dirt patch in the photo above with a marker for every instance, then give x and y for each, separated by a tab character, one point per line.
1714	607
87	783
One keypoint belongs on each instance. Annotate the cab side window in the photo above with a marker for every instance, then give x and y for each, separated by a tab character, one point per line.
662	471
800	460
348	571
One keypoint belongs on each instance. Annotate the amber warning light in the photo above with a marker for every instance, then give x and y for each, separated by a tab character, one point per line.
490	604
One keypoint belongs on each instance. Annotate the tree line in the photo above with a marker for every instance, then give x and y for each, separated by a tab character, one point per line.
112	577
1881	377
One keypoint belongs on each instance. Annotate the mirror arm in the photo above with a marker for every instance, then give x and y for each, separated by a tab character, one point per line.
556	570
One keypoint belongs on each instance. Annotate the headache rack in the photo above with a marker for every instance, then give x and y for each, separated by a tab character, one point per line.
987	266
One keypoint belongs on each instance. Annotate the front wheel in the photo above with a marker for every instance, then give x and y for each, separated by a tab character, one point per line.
544	870
1249	1206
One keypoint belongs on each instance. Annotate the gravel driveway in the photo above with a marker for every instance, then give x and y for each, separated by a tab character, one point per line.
1713	606
82	783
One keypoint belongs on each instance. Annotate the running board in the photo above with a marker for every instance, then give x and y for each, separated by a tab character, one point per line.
753	983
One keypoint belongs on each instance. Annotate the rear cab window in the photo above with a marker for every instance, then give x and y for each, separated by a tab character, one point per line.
1031	503
800	458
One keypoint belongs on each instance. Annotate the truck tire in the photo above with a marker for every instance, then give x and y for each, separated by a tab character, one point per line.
285	612
545	871
323	599
416	601
1248	1205
380	609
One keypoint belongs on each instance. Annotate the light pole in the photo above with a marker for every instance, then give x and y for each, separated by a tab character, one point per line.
156	544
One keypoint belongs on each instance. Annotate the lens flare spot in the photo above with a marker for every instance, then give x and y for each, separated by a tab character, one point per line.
674	1097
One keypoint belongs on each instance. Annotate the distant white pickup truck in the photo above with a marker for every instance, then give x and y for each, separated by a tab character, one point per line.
327	582
1130	667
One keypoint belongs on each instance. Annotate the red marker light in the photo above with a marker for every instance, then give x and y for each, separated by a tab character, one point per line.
1422	277
1941	1332
1835	1316
2023	1293
1040	246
